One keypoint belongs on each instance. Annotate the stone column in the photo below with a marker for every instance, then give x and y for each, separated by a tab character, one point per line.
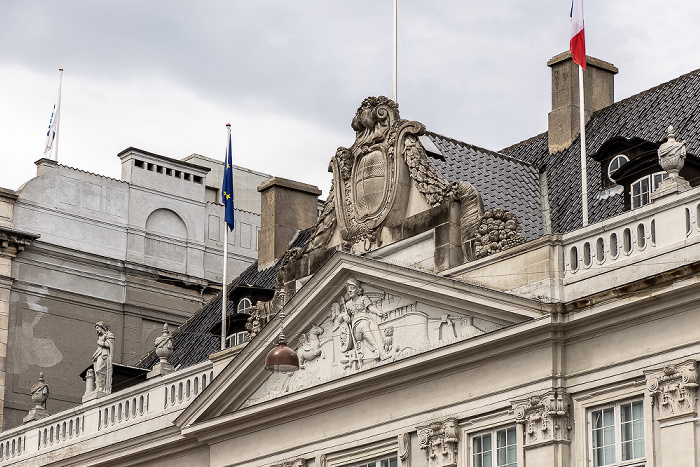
673	390
546	425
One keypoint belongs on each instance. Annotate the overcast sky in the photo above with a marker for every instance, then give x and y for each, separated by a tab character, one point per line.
166	76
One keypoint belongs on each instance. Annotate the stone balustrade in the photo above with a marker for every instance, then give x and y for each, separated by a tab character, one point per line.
149	406
634	237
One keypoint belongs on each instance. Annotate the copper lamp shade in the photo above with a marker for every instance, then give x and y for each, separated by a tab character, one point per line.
282	359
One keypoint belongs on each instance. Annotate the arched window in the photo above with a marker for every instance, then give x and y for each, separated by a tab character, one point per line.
640	193
616	162
243	305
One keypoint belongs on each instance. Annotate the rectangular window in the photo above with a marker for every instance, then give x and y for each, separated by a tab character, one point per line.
617	433
390	461
496	448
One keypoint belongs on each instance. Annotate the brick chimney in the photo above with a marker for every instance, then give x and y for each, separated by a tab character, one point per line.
598	82
287	207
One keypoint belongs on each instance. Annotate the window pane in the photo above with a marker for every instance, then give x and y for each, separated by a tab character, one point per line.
487	459
511	436
487	442
476	445
638	410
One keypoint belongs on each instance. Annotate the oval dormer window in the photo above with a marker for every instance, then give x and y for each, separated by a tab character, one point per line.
616	162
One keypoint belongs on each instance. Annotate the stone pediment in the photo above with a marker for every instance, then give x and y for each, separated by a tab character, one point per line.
356	315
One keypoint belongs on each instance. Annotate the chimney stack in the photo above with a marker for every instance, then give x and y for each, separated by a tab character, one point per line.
287	207
598	82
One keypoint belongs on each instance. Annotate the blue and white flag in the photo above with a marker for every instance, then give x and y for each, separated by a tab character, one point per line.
227	187
53	122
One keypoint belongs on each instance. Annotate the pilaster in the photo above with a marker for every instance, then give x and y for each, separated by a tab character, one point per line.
546	424
673	391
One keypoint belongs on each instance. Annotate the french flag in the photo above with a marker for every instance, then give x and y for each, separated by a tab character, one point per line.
577	44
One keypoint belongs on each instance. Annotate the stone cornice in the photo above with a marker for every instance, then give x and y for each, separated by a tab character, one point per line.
13	241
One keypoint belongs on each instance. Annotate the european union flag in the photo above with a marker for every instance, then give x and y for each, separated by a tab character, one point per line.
227	187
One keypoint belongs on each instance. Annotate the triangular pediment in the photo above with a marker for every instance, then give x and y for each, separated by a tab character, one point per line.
356	315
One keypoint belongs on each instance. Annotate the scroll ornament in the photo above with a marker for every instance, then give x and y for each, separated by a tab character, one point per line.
440	440
674	389
545	418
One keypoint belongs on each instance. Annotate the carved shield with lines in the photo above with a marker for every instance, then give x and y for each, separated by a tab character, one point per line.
370	184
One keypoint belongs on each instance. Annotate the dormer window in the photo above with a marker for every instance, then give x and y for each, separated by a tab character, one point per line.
616	162
640	190
243	305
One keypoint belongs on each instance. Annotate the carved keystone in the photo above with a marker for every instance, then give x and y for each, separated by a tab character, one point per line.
545	418
674	389
440	440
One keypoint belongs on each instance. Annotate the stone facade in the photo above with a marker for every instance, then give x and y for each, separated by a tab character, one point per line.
78	248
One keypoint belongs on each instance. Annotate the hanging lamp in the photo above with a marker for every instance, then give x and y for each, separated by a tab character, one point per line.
282	358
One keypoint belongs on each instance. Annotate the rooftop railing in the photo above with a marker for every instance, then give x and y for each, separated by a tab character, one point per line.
156	403
632	237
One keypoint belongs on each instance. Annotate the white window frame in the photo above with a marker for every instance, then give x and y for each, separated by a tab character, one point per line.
615	159
243	305
617	442
653	181
493	434
589	401
374	450
378	462
237	338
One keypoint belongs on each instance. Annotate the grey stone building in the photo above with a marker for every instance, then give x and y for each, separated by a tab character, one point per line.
135	253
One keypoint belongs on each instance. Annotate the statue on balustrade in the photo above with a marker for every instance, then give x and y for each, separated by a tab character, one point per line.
102	358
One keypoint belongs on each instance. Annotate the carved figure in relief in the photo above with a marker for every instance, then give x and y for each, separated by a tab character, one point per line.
365	329
310	348
102	358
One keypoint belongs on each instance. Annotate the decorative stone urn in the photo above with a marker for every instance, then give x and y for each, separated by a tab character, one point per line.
672	154
671	158
40	394
164	350
164	345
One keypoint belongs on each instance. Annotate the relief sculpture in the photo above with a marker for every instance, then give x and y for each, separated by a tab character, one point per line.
364	327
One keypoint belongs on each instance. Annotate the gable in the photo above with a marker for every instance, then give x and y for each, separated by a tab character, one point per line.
399	315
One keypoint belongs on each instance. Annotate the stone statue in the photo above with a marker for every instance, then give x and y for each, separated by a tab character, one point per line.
39	393
164	345
365	329
102	358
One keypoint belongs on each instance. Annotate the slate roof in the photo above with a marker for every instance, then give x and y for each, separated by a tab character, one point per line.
193	341
502	181
646	115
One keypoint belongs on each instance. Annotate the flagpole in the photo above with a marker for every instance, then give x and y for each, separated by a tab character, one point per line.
584	174
58	111
224	297
394	83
